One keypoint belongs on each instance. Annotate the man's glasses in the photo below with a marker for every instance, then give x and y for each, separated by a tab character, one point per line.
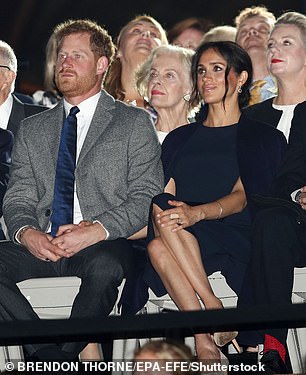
5	66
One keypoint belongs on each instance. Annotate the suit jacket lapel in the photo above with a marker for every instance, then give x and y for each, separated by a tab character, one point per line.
16	116
271	115
52	128
101	119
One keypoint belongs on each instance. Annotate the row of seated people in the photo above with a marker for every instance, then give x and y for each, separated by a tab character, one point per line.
220	167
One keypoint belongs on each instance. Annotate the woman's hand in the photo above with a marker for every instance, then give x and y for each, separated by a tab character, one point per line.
182	216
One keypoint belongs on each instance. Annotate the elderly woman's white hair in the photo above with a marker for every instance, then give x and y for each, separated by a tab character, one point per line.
143	74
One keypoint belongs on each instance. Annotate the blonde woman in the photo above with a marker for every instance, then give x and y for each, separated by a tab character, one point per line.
134	44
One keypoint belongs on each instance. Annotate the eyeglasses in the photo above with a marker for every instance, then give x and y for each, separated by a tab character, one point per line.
5	66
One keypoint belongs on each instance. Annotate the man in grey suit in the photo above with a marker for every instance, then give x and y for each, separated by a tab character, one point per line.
117	172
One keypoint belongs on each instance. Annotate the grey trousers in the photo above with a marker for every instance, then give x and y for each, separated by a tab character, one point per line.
101	268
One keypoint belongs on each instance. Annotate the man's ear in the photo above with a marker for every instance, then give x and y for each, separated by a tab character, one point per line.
102	64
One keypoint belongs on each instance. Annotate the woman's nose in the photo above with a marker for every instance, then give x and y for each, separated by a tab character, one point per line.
146	34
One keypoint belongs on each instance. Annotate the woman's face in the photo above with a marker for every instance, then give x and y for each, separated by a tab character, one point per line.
286	54
189	38
168	82
139	38
211	78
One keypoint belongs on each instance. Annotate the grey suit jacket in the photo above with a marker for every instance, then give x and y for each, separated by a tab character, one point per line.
20	111
117	173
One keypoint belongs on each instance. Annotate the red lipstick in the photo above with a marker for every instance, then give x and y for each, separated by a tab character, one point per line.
156	92
274	61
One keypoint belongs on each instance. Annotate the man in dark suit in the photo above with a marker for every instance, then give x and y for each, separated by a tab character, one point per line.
279	237
6	144
117	172
12	110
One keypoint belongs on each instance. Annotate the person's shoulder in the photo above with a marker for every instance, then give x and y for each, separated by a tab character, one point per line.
183	130
120	108
40	114
259	107
6	136
179	135
32	109
300	109
256	128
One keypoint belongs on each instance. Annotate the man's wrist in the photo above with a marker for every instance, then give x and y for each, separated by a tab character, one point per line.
105	231
20	233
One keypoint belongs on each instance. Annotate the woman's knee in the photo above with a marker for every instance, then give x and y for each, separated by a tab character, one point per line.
158	253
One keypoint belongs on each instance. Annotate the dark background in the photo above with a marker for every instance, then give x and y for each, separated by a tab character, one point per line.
27	24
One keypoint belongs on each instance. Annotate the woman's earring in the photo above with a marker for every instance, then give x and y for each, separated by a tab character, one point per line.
239	90
186	97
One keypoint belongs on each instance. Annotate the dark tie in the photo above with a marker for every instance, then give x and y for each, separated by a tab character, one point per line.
62	209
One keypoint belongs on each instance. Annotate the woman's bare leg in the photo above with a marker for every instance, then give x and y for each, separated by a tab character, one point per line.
185	250
181	292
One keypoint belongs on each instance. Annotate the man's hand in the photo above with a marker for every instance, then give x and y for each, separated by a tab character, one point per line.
39	244
72	238
302	198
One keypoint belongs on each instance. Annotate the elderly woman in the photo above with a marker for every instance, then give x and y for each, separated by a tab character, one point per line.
134	44
164	80
202	217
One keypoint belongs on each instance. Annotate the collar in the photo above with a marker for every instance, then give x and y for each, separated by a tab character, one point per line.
87	106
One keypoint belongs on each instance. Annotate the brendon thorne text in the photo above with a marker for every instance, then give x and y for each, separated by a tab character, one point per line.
131	367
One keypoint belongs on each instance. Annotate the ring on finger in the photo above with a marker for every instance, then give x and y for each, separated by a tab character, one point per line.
179	221
174	216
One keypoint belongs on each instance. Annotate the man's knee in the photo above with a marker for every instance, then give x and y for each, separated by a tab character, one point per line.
110	262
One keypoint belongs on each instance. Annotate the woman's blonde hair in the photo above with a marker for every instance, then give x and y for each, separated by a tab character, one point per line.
113	83
293	18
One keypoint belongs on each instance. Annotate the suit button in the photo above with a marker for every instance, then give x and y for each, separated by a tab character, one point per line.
48	213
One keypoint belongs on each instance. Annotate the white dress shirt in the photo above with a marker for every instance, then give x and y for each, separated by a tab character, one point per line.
87	109
5	112
284	124
84	117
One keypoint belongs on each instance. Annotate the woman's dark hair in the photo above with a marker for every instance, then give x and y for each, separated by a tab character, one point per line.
236	58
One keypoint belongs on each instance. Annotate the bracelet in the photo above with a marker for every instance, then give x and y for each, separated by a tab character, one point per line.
221	210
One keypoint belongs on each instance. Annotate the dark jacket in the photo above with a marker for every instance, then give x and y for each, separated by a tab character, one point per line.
264	112
6	144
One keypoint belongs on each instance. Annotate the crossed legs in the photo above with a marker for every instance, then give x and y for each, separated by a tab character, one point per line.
177	259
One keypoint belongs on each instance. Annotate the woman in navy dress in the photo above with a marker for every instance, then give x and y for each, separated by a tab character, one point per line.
202	216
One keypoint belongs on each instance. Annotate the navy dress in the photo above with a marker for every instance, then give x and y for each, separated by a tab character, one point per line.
204	162
206	169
